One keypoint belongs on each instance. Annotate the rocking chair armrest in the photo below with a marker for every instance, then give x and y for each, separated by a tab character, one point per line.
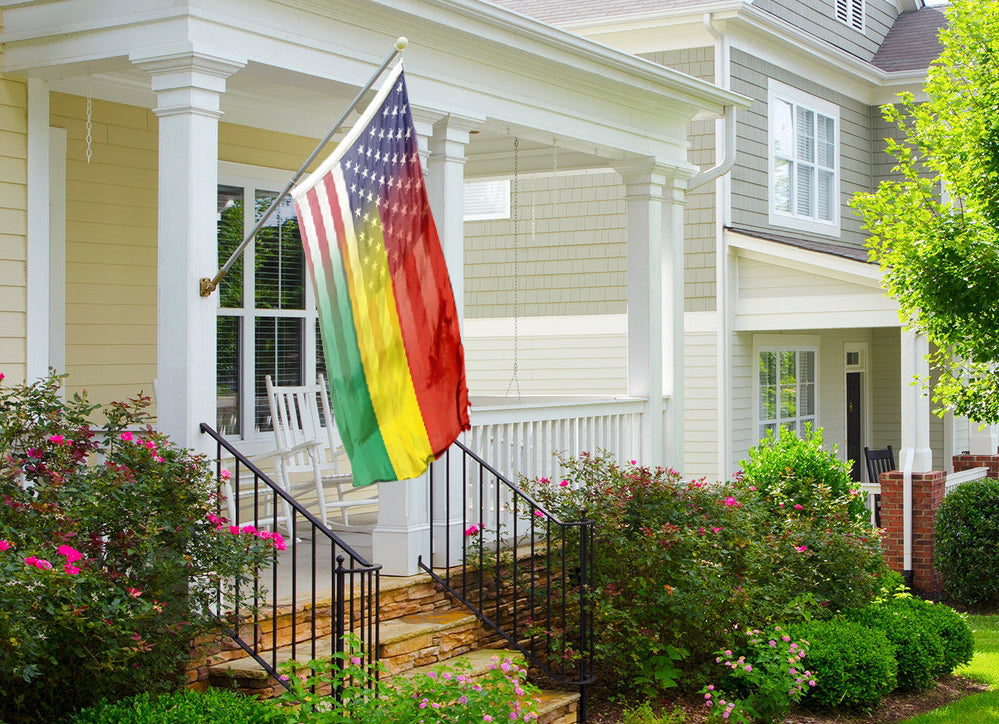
307	446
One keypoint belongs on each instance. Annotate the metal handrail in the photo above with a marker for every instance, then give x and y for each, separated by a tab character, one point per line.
354	589
554	627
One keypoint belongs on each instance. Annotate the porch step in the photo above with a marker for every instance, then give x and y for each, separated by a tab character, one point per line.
404	643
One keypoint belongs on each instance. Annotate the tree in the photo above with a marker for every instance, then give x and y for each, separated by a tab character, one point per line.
935	230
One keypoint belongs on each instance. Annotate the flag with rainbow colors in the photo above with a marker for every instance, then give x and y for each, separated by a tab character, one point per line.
390	329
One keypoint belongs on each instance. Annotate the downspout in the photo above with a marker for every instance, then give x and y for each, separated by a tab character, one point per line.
724	129
721	79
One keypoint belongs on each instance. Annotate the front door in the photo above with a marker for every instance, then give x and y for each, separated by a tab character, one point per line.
854	449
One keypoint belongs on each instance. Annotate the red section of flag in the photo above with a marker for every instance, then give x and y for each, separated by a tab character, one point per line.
425	300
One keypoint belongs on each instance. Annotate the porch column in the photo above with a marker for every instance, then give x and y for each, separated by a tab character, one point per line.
915	455
188	86
402	533
654	195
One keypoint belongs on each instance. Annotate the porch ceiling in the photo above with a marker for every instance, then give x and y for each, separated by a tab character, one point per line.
304	61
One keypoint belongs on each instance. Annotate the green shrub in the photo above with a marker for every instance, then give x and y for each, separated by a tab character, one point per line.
794	470
966	539
854	665
683	569
955	634
112	550
214	706
919	648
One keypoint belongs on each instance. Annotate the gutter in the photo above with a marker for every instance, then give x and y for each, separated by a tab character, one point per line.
724	165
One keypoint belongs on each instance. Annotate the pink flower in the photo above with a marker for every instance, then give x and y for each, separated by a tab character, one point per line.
355	660
486	717
34	452
4	545
158	459
42	564
1	376
715	530
126	436
248	529
234	529
633	462
279	542
226	474
472	529
57	439
134	592
30	561
71	569
730	501
72	555
539	513
799	506
563	483
801	548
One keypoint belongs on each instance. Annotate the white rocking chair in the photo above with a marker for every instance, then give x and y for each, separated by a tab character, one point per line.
308	447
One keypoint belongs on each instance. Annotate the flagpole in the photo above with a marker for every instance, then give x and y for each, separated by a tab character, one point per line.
210	285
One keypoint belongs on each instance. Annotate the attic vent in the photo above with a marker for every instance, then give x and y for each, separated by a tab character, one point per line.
851	12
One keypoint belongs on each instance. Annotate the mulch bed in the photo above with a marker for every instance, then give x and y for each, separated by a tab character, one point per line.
895	707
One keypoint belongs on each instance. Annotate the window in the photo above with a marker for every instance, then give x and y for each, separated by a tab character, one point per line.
851	12
804	174
266	316
786	390
486	200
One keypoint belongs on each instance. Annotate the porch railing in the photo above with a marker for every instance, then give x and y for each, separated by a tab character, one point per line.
317	576
522	439
521	570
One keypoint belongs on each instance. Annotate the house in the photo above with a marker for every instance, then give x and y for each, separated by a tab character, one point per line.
139	138
785	320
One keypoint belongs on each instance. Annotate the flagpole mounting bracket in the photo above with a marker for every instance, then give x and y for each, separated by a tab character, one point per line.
207	286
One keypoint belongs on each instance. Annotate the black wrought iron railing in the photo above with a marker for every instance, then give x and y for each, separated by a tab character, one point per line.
524	573
313	593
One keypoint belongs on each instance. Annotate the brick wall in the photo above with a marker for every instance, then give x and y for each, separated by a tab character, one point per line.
966	462
927	492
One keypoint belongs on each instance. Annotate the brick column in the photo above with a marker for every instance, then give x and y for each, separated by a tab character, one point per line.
927	492
966	462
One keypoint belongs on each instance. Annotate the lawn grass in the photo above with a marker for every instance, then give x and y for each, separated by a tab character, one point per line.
984	667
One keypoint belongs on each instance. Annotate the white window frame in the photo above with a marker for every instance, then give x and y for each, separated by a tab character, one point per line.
778	344
852	13
487	199
781	92
252	179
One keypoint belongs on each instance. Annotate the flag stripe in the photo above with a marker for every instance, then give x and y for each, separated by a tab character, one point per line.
387	314
392	395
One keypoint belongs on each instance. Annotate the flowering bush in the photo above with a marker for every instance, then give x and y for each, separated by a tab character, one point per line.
111	553
447	694
764	681
685	568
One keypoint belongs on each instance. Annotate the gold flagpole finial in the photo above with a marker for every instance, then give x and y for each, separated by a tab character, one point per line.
401	42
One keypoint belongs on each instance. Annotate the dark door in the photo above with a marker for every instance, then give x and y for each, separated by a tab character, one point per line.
854	449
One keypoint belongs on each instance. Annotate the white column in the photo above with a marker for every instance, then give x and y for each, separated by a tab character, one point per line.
654	197
915	455
188	86
38	317
446	188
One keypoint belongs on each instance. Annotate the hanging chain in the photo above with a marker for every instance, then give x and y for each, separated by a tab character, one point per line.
514	379
90	122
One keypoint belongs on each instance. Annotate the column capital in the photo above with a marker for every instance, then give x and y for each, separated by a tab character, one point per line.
186	80
643	174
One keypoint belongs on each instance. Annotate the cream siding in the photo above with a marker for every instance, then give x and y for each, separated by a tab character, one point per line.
110	247
700	413
13	223
758	280
744	369
572	361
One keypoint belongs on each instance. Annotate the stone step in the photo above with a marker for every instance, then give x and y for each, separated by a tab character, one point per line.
404	643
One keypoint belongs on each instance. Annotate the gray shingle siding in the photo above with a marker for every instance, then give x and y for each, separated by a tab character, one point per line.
818	18
750	182
699	213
